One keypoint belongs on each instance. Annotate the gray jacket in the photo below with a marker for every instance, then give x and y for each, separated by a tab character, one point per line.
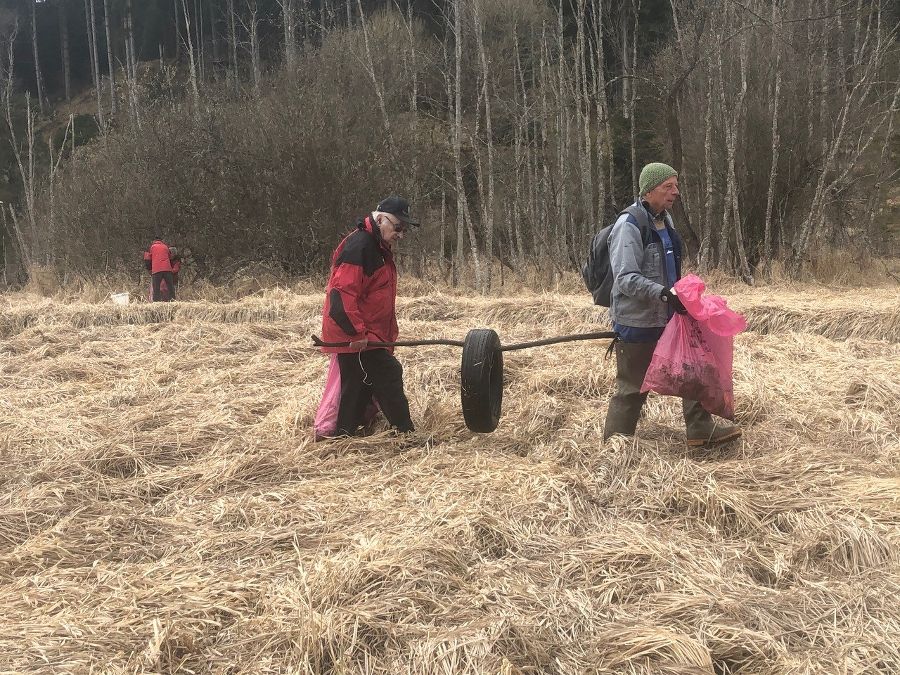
637	260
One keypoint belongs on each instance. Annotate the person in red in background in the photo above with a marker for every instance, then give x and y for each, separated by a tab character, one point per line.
360	306
157	258
175	259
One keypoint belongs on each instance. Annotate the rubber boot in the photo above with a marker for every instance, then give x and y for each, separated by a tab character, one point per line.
632	361
705	431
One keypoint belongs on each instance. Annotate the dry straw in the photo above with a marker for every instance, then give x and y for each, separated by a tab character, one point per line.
165	509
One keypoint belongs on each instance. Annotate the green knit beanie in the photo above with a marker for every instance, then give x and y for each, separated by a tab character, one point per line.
653	174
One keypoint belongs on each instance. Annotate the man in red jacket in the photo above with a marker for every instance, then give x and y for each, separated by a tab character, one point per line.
360	307
157	258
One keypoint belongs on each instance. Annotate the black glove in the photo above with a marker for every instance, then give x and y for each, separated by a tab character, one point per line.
668	295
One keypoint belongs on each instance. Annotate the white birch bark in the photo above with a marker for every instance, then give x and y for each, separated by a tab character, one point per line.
605	168
376	83
584	121
776	140
97	81
37	64
109	60
64	48
487	211
632	101
289	22
232	47
705	254
195	90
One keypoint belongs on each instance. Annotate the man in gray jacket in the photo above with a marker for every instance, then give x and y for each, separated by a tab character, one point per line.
645	257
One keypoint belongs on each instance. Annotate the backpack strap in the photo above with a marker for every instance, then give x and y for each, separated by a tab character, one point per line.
643	222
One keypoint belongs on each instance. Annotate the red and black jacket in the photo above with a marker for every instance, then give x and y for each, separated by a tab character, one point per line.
360	299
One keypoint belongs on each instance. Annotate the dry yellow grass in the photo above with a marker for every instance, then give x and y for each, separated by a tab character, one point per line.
165	509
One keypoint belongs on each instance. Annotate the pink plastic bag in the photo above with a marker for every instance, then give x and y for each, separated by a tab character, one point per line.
326	415
327	412
694	357
711	309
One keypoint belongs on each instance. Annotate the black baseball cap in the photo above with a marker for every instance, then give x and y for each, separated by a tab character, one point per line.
397	206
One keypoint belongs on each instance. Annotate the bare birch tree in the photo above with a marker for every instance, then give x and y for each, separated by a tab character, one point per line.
129	32
605	161
289	22
232	47
705	253
487	200
733	116
39	81
631	77
24	164
776	139
64	48
192	65
868	61
376	81
109	60
92	29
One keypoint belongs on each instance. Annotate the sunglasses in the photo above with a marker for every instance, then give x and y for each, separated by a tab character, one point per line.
399	226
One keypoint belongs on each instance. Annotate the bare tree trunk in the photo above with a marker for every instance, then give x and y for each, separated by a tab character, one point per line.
862	85
132	86
690	57
811	97
776	142
633	99
736	130
732	124
290	41
705	254
201	42
520	101
546	196
585	147
109	60
413	97
129	30
232	47
453	256
255	58
626	63
92	54
64	47
881	175
97	81
37	66
214	14
461	201
487	211
26	164
195	90
53	169
562	139
177	30
442	244
376	82
604	139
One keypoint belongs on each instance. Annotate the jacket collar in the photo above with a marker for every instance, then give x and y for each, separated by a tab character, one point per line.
368	224
662	215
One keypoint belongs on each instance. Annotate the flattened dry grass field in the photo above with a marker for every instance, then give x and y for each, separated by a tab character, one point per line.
163	507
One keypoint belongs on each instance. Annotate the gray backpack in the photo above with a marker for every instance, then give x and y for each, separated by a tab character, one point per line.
597	271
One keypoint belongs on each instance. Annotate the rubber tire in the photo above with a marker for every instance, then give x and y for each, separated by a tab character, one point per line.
482	380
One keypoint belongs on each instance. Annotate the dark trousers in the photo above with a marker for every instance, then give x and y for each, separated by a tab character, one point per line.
374	372
158	278
632	361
